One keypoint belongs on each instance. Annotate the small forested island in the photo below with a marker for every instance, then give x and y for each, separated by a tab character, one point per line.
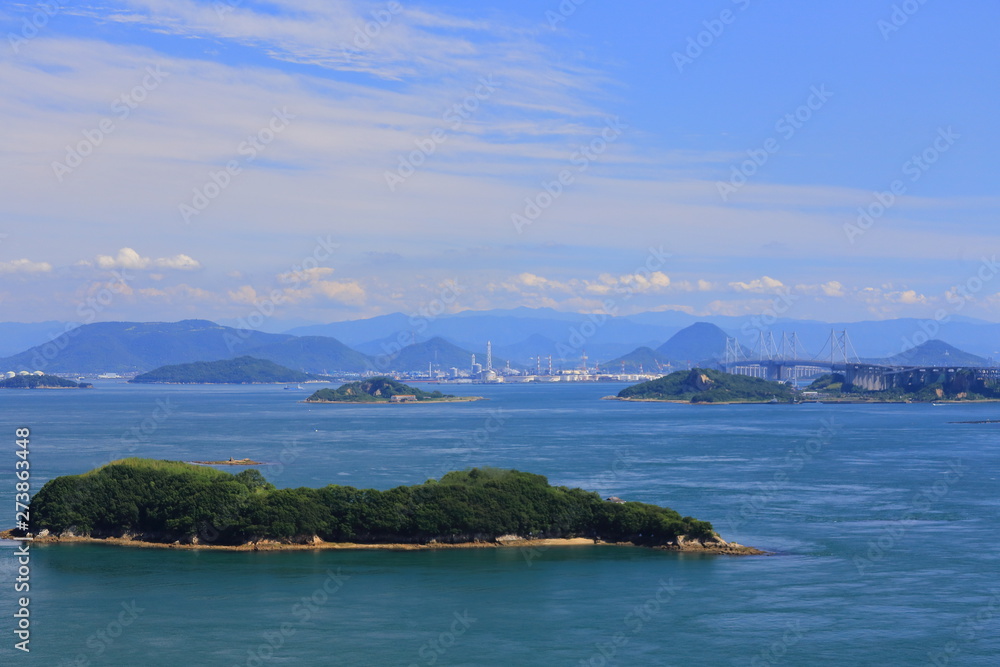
701	385
42	382
143	502
383	390
242	370
930	387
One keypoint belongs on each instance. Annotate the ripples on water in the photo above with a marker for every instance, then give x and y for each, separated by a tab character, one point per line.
930	567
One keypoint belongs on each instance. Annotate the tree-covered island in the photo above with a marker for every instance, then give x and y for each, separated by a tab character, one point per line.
242	370
41	382
383	390
150	502
708	386
930	387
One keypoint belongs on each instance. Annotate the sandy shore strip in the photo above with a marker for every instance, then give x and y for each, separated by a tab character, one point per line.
725	548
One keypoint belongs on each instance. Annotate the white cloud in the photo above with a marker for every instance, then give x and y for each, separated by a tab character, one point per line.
832	288
24	266
759	285
245	294
127	258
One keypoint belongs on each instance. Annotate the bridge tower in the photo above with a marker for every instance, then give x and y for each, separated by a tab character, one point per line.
733	351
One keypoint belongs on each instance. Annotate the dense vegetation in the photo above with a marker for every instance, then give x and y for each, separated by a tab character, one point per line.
708	386
962	385
242	370
40	381
374	390
168	501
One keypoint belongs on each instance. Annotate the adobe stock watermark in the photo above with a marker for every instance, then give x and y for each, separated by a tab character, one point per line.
303	612
775	652
473	442
142	433
914	168
969	629
957	297
366	33
100	641
900	16
579	334
581	160
565	9
923	501
32	25
209	531
713	30
622	461
249	149
87	310
635	620
786	127
121	108
263	310
433	649
795	460
455	116
419	321
781	303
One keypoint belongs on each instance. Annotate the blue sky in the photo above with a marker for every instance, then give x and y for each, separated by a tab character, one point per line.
325	160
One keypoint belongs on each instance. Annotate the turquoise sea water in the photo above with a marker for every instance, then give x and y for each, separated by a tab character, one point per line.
883	523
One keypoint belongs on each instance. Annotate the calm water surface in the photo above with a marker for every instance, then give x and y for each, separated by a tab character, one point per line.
883	521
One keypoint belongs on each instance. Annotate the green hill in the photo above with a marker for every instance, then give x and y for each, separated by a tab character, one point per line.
41	382
242	370
165	501
377	390
708	386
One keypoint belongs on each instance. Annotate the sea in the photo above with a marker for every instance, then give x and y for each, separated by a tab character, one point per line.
880	523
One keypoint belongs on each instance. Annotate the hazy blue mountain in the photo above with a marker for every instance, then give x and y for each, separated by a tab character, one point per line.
354	332
642	359
437	351
597	334
125	347
136	346
936	353
19	336
313	354
699	342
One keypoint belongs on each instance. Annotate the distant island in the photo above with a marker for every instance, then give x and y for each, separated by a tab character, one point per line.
242	370
42	382
230	462
383	390
160	503
929	387
702	385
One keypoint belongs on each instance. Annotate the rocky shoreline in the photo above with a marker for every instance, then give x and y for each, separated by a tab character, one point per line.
681	545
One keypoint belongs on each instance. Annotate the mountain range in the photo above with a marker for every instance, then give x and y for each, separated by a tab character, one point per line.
657	341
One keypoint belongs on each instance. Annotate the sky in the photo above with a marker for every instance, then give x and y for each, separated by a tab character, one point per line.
327	160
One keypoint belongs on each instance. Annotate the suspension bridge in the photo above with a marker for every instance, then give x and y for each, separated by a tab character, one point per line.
786	361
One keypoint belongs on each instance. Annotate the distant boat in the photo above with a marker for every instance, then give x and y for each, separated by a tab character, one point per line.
774	399
300	387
